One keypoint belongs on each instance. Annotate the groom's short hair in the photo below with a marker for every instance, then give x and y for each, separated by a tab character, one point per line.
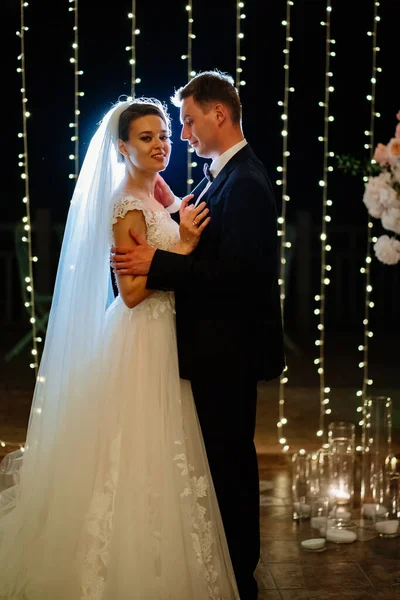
211	86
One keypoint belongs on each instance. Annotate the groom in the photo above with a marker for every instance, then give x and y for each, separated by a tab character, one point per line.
227	304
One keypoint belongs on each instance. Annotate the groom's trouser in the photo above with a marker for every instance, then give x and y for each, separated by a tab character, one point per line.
227	415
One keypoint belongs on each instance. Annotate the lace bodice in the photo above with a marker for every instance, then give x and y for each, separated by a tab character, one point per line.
163	233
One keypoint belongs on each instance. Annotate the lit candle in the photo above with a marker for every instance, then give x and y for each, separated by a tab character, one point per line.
341	496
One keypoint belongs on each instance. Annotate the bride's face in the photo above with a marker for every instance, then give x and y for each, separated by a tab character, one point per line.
149	146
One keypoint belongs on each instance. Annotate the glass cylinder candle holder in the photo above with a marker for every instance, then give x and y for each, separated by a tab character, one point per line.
300	482
341	466
313	485
324	481
319	514
315	540
342	430
319	482
377	447
387	513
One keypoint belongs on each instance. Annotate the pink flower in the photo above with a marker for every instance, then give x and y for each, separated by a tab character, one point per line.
381	154
393	150
397	134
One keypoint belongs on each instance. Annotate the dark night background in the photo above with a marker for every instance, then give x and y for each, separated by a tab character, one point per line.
105	31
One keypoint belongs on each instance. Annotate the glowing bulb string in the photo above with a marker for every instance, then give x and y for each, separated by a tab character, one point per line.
283	380
239	36
325	268
190	73
366	271
74	60
23	163
132	49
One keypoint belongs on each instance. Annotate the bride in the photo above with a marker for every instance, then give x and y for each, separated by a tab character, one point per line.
114	500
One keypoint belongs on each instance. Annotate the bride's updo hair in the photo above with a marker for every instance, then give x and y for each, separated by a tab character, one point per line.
141	107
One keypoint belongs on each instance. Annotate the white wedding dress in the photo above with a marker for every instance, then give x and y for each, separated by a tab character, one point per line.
131	513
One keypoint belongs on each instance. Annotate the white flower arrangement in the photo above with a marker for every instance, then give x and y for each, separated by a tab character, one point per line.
382	197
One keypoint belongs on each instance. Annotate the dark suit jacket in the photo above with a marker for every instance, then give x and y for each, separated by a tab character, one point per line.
227	296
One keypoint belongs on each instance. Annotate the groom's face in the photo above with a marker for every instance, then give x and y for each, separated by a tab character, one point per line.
199	128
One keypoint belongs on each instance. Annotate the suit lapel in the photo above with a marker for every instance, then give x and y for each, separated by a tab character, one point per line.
198	189
223	175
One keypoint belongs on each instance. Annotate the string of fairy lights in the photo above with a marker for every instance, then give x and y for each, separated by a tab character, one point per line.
74	60
190	73
326	218
285	244
239	81
23	163
366	270
132	49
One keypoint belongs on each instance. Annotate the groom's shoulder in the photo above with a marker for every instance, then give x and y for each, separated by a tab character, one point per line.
250	176
251	169
248	161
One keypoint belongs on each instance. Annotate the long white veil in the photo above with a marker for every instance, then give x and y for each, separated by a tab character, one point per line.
64	403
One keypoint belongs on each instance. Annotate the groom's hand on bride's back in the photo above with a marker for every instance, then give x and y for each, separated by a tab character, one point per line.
132	261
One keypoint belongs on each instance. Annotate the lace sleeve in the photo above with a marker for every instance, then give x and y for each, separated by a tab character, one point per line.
123	205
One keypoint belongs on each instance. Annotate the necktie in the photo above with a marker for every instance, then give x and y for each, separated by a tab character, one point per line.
207	172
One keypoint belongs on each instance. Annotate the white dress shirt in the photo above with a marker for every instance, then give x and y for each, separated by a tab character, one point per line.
218	164
216	167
